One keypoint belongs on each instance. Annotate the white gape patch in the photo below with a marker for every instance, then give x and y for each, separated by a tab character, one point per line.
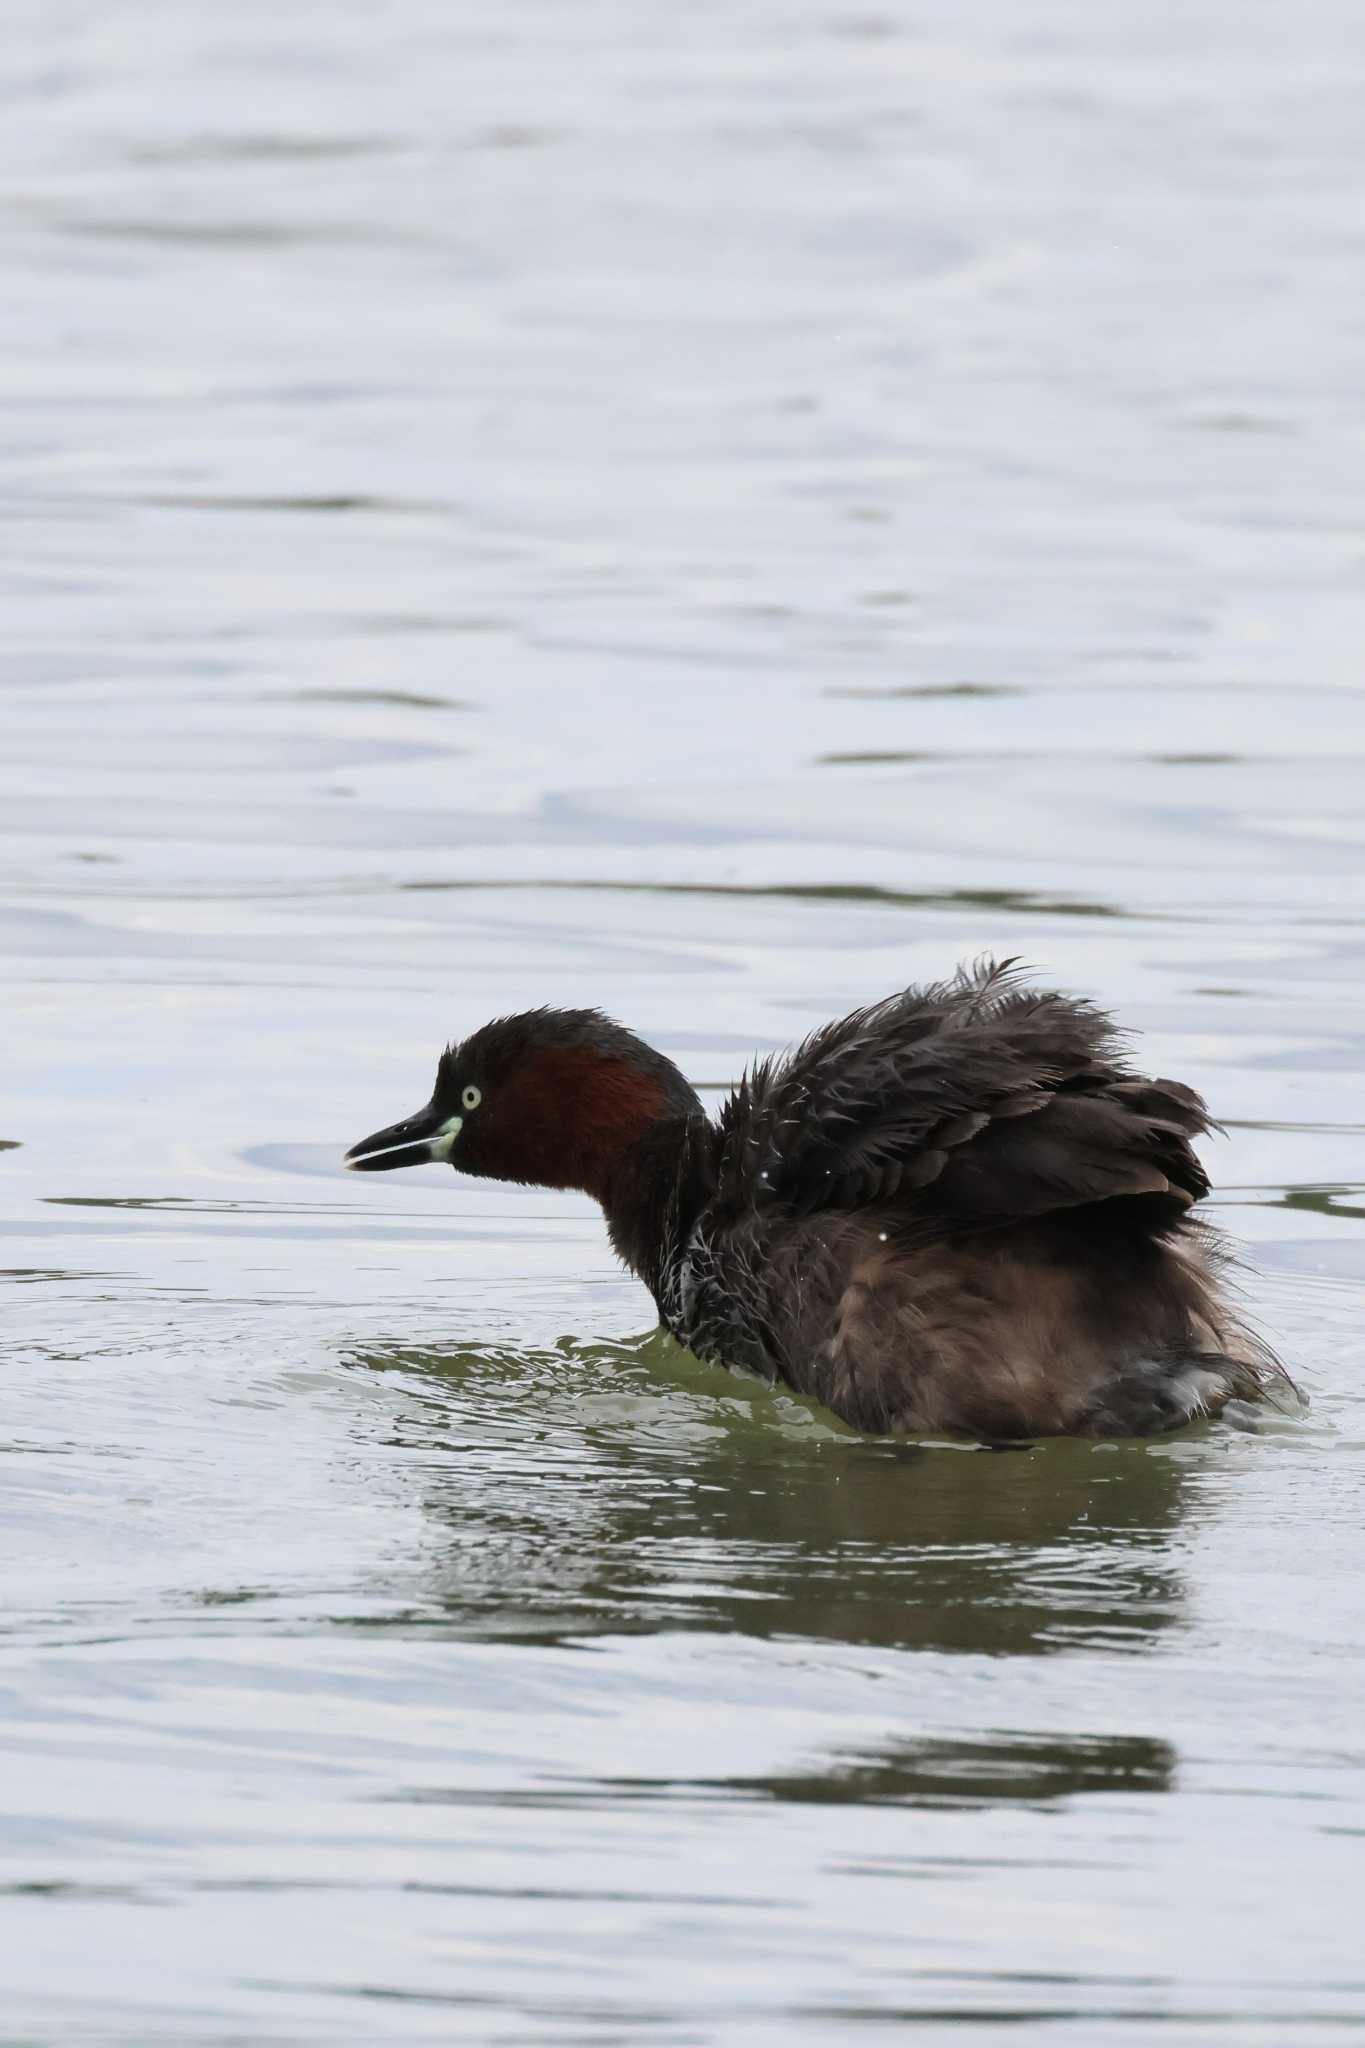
443	1144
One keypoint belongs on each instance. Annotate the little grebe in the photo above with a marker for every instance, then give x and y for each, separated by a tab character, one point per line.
958	1211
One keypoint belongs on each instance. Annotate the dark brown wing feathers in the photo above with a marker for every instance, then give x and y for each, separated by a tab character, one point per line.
975	1101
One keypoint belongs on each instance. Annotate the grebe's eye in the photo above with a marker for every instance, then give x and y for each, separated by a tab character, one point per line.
472	1097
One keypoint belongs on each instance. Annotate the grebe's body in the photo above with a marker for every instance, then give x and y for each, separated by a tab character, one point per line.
956	1212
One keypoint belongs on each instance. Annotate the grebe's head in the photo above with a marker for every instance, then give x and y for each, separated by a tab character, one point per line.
551	1097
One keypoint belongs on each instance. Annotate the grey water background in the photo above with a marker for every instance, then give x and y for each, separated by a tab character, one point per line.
715	511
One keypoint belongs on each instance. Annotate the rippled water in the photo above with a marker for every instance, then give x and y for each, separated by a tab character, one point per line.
715	512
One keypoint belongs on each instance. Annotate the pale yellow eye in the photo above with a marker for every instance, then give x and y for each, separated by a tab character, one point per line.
471	1097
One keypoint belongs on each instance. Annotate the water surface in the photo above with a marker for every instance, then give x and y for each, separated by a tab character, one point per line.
717	513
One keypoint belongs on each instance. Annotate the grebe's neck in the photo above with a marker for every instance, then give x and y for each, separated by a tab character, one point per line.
655	1191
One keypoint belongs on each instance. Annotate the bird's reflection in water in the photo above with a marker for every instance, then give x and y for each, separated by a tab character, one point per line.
603	1489
590	1489
926	1771
1033	1770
